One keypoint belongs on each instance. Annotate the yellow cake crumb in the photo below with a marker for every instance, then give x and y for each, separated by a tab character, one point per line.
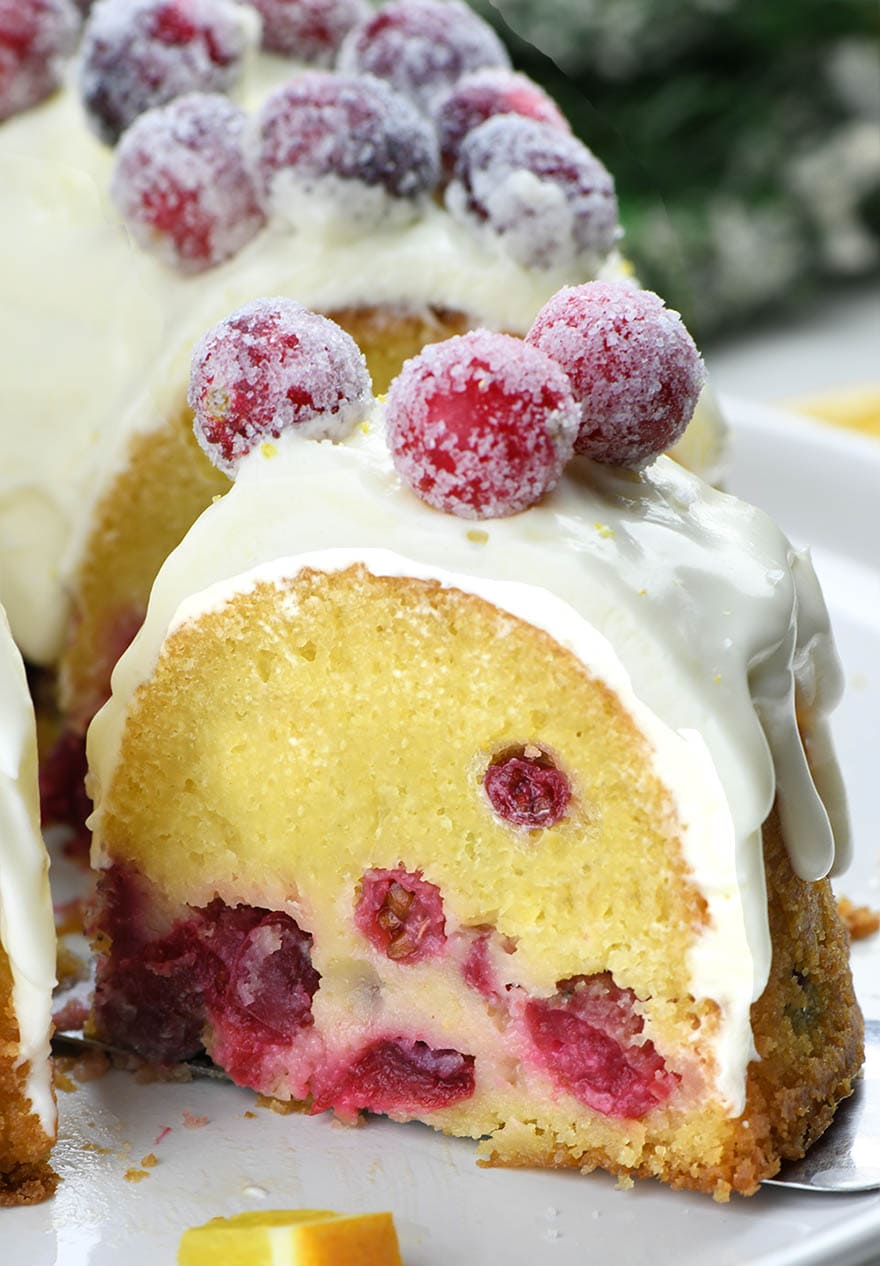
861	921
292	1237
135	1175
268	450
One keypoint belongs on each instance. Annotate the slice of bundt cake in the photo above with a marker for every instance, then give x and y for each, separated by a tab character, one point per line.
27	950
456	779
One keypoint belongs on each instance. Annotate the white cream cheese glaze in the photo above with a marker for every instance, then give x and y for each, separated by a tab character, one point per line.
691	604
27	928
96	336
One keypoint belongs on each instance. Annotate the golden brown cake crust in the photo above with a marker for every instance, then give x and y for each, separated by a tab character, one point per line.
25	1175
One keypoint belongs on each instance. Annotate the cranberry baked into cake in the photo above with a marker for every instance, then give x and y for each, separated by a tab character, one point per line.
459	772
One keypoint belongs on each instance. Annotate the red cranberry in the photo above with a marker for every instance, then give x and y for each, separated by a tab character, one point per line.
422	47
149	989
345	150
181	184
138	54
273	366
400	1077
587	1038
244	971
63	793
536	192
309	30
401	914
482	95
34	37
268	981
633	366
527	789
480	428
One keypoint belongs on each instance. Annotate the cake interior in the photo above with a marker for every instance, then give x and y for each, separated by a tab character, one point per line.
323	897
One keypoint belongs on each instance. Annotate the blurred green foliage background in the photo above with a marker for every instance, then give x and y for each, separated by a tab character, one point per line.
744	137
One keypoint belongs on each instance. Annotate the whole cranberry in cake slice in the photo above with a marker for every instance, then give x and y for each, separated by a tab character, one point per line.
633	366
479	427
137	54
309	30
274	366
35	35
343	151
400	1077
536	192
181	184
422	47
481	96
526	788
401	914
588	1037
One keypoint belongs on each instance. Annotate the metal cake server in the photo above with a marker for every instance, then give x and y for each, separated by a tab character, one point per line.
847	1156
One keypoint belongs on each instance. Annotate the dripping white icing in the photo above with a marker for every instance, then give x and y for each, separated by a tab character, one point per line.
714	620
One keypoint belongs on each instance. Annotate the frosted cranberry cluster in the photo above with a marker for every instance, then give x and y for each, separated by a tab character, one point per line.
411	98
480	426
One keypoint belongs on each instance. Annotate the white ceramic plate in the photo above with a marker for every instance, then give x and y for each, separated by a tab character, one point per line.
824	487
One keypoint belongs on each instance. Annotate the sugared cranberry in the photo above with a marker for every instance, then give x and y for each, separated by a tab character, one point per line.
138	54
482	95
309	30
34	37
525	788
401	914
536	192
422	47
273	366
479	427
588	1038
633	366
343	150
181	184
400	1077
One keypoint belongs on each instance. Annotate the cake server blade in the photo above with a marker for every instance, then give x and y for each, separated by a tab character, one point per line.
847	1156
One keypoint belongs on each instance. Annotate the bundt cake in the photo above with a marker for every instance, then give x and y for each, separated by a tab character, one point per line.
27	949
472	766
324	185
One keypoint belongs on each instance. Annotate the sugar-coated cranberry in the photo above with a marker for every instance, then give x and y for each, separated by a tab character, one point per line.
482	95
309	30
345	150
400	1077
525	788
480	428
35	35
273	366
422	47
137	54
401	914
587	1036
536	192
633	366
181	184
